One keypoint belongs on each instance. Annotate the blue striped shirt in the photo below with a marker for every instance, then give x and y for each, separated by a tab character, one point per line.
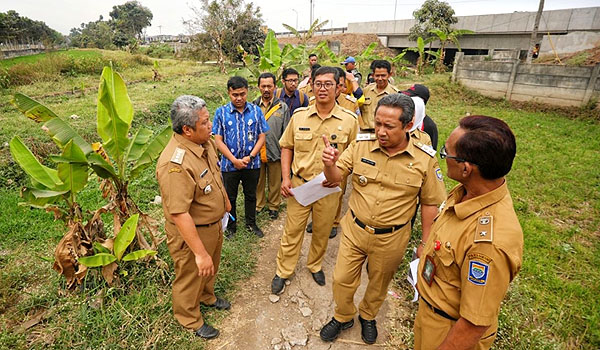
240	132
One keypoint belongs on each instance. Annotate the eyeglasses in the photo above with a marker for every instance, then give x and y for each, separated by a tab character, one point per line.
291	80
327	85
444	155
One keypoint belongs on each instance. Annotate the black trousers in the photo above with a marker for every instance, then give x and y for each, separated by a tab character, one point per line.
249	179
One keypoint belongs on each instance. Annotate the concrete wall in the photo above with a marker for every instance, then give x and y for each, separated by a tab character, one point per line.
571	42
520	22
556	85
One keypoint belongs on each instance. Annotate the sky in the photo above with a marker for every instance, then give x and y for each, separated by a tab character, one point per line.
62	15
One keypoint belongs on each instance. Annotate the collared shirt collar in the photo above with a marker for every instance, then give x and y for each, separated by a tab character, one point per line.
262	102
231	108
467	208
335	112
410	148
195	148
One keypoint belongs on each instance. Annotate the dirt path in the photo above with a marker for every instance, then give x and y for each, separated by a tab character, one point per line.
256	322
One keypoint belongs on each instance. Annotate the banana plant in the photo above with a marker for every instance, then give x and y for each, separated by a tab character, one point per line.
117	160
111	260
444	38
271	59
420	49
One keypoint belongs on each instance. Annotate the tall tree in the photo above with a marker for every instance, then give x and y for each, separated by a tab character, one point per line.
130	19
17	29
433	14
221	25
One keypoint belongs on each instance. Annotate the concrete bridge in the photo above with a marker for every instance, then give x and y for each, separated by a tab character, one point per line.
507	31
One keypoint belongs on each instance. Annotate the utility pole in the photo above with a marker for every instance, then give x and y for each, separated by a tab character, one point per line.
312	10
533	39
395	7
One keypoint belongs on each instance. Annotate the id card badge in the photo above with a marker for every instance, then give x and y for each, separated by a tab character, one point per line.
428	270
250	136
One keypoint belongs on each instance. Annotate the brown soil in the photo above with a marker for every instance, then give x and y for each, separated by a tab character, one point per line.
255	322
593	57
351	44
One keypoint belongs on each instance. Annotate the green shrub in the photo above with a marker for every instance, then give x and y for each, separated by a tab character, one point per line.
158	50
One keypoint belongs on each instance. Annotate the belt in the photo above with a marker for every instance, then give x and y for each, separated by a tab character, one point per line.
300	177
206	225
373	230
438	311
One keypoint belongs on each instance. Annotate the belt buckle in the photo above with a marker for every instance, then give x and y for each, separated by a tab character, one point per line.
370	229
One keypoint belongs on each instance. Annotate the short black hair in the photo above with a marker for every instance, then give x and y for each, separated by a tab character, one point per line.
267	75
236	82
287	72
312	55
399	101
342	73
327	70
488	143
313	70
381	64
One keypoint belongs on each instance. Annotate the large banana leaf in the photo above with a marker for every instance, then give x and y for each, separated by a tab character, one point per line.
125	236
138	143
72	168
100	166
152	151
115	114
138	254
271	49
42	174
40	198
366	54
291	54
322	45
32	109
58	129
100	259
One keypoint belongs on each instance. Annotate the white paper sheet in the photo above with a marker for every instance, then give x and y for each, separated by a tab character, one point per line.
225	220
313	190
412	277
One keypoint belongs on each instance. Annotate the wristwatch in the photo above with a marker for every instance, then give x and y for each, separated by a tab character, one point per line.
252	157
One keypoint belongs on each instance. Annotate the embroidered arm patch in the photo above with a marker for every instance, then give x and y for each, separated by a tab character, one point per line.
478	272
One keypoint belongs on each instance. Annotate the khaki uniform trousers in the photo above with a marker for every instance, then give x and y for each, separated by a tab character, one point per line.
338	214
189	289
323	215
431	330
272	171
385	253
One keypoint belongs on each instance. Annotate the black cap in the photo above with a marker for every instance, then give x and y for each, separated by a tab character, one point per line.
418	90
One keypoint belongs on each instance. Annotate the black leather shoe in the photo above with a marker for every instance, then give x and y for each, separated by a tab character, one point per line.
333	232
207	332
230	232
273	214
278	285
309	227
220	304
257	231
319	277
332	330
368	332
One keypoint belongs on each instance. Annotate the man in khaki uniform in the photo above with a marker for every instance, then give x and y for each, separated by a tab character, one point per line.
194	201
475	248
307	89
300	152
389	172
277	115
374	92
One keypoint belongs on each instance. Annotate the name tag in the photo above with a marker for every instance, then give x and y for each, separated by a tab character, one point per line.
368	161
303	128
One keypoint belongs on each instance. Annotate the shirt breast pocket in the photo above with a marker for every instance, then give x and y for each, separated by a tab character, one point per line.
409	184
446	269
365	174
204	189
303	141
340	142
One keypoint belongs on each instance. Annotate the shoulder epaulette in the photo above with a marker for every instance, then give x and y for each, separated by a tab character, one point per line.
300	109
351	98
312	98
348	111
426	148
366	136
395	88
484	231
177	156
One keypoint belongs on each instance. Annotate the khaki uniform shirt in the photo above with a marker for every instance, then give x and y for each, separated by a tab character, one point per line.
190	180
421	136
304	132
480	253
309	93
385	188
367	110
349	102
